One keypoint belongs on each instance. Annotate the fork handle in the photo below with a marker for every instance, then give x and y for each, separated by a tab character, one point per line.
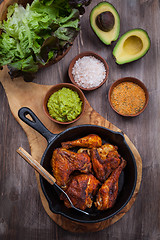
26	156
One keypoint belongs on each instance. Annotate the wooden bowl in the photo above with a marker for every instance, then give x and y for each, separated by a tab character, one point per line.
54	89
136	81
81	55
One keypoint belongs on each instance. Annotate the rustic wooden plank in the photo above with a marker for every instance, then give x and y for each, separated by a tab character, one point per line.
24	217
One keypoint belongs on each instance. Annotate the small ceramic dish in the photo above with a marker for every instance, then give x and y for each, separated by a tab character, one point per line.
81	55
135	81
54	89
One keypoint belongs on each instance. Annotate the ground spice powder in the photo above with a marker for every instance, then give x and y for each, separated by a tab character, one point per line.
128	98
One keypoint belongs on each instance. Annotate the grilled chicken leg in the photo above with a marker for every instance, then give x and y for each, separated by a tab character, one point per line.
64	162
108	192
89	141
81	190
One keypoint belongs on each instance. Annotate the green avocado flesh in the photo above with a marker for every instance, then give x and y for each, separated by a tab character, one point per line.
107	37
64	105
132	45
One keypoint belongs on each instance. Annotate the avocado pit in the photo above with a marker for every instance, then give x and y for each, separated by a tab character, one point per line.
105	21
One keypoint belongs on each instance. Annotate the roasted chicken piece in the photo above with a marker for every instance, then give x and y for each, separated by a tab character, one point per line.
104	160
89	141
81	190
107	148
64	162
108	192
82	150
103	150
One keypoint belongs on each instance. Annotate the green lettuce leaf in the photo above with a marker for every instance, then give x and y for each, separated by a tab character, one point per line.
37	34
67	34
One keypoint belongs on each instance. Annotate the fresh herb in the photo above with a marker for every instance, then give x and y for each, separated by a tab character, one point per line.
37	34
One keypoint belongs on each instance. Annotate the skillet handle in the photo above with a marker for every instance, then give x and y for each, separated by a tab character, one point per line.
35	123
26	156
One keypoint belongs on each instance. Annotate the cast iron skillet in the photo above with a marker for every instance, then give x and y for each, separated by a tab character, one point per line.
127	180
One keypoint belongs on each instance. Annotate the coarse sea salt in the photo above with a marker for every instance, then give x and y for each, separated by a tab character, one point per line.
88	72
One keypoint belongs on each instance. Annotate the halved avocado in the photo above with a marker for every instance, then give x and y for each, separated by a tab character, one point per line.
131	46
106	11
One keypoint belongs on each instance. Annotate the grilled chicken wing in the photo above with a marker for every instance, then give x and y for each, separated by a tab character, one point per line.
81	190
64	162
89	141
104	160
108	192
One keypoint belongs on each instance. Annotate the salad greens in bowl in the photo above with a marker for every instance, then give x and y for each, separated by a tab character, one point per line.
35	34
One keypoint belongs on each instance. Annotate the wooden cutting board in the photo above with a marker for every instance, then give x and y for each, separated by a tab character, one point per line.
23	94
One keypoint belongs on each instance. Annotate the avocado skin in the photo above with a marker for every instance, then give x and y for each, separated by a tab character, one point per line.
130	33
106	37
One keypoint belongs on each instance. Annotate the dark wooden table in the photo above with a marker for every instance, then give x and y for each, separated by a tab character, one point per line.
21	213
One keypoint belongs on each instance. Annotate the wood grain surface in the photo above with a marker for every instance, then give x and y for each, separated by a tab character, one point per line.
21	213
31	95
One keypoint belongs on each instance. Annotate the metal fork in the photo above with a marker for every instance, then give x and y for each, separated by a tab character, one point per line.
26	156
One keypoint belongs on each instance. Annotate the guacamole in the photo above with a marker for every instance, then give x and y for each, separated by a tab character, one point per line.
64	105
